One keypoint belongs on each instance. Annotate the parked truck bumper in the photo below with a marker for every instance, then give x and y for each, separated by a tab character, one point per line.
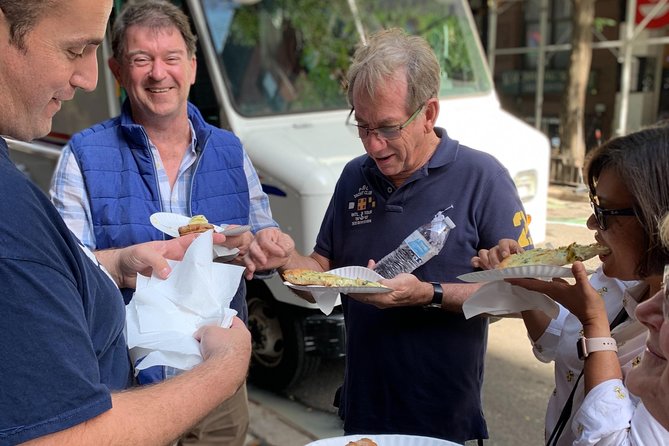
325	336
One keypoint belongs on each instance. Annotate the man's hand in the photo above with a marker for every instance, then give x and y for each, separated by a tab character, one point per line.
271	248
491	258
242	242
408	290
124	263
233	342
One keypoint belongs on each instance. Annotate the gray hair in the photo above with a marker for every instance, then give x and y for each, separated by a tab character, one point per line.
641	161
389	52
155	14
22	15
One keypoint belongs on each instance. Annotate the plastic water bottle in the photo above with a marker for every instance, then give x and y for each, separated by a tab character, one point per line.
419	247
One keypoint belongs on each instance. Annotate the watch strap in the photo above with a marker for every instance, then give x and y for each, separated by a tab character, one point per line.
585	346
437	295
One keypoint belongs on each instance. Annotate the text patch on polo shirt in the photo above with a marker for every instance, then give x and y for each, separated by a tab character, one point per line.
362	206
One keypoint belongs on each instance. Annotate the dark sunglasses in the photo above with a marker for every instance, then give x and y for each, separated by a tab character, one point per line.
601	213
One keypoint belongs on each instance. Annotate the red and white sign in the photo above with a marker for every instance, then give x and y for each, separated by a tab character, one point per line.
644	7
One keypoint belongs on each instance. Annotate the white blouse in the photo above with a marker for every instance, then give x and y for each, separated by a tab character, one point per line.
558	344
611	416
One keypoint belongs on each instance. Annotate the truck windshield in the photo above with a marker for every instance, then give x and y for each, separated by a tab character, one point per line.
291	56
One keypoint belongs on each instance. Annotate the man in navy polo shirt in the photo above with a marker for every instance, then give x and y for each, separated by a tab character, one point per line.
411	368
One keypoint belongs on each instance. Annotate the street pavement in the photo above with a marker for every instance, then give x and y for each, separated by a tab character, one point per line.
516	386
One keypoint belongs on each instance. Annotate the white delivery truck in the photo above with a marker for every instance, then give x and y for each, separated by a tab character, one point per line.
271	71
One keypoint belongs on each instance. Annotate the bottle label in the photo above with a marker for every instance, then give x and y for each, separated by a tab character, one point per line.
418	244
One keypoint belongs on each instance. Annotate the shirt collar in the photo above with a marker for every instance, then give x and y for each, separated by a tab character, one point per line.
192	148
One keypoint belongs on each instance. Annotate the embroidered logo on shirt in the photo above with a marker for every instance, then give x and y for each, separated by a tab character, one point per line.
570	376
362	206
619	393
636	361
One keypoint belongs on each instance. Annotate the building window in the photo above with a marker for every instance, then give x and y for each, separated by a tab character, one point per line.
558	29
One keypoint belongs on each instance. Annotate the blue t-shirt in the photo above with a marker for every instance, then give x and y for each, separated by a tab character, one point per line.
412	370
62	347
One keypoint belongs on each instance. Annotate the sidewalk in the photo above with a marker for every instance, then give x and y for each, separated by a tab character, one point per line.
269	428
278	421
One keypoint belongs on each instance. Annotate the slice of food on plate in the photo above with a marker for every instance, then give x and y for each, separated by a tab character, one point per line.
310	277
197	223
563	255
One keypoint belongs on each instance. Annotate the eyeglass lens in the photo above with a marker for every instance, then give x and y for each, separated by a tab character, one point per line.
600	218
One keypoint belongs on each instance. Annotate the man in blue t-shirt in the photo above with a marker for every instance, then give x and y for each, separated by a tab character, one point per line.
64	355
414	364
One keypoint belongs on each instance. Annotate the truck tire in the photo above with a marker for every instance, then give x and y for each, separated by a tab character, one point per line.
278	359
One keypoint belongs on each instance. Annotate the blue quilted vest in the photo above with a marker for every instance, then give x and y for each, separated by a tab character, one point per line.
121	180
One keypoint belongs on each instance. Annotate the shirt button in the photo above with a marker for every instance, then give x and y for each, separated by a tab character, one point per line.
390	190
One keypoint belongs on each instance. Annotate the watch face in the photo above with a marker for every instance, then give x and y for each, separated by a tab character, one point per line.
581	348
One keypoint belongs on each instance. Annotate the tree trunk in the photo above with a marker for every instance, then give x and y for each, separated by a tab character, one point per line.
572	140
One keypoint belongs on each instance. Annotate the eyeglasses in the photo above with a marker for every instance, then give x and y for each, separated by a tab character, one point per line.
385	133
601	213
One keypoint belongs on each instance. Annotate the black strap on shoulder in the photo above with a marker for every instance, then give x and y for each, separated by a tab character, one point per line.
566	409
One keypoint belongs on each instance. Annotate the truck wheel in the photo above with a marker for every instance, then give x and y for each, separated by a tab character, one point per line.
279	359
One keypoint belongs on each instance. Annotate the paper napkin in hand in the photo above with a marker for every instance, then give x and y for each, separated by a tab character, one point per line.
163	314
499	298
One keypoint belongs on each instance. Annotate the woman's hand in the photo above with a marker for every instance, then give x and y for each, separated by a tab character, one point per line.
491	258
581	299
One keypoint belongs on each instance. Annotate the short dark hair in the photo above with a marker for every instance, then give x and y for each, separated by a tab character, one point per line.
155	14
22	15
641	161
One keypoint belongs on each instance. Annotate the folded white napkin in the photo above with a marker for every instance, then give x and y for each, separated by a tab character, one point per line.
499	297
163	314
326	300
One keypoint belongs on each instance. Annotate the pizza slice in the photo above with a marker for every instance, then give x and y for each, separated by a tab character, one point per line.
554	257
310	277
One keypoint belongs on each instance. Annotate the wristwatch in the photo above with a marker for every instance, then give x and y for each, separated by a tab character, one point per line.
585	346
437	295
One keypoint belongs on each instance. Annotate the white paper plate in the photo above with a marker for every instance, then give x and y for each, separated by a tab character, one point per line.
517	272
350	272
385	440
169	223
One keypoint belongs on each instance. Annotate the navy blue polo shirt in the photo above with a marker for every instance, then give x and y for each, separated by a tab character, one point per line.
410	370
62	344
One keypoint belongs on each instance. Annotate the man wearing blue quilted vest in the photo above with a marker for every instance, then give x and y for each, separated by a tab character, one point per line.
160	155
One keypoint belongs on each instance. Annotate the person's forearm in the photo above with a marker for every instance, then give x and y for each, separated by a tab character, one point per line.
455	294
158	414
536	323
109	258
602	365
313	262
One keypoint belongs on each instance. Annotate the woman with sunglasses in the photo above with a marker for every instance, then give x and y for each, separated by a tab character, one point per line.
629	192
